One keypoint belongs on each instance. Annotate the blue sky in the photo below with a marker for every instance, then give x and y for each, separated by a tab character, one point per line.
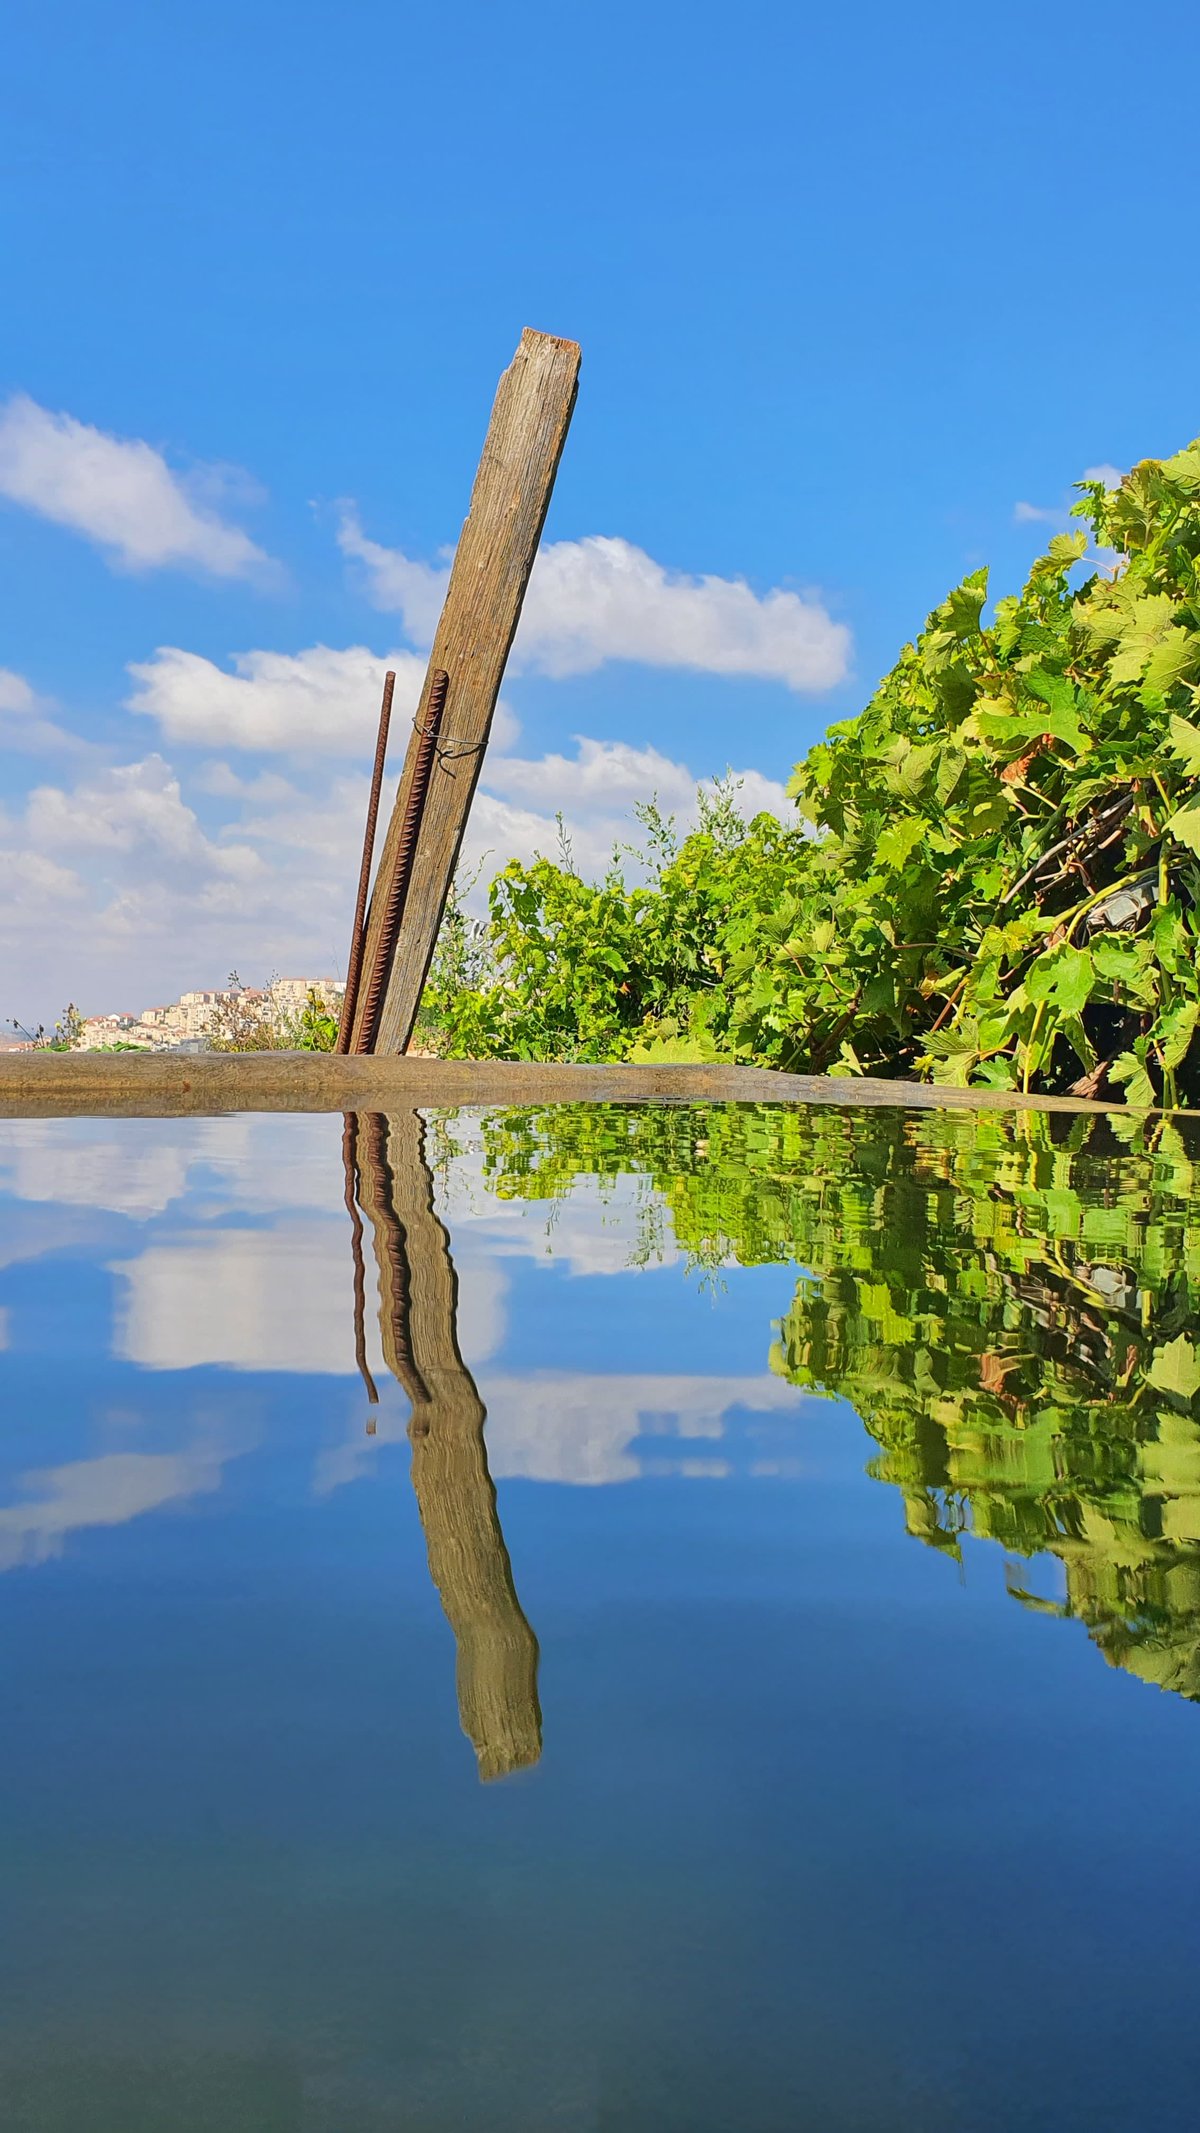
851	285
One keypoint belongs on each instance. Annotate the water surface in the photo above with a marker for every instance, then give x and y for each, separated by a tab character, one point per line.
679	1617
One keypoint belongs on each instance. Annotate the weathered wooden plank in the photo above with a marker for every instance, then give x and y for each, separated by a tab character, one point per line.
165	1084
491	569
497	1652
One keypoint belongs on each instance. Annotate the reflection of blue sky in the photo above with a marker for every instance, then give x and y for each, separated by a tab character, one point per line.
198	1255
818	1830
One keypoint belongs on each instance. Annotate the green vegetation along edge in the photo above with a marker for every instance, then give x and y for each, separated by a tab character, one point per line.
994	878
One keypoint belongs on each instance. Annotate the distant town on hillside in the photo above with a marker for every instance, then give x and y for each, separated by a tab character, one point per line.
190	1022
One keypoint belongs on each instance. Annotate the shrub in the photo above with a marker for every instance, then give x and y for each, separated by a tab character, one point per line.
1000	879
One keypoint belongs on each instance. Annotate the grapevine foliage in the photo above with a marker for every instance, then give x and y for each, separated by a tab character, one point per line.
994	878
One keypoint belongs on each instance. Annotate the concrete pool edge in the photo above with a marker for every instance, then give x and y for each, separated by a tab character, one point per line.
168	1085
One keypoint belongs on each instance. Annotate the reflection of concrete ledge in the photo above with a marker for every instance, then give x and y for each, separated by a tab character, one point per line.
163	1084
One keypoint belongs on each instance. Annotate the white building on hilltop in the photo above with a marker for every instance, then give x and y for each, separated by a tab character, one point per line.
189	1020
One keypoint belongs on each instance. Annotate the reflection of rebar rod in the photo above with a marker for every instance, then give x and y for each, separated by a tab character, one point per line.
397	888
468	1561
359	935
350	1165
395	1278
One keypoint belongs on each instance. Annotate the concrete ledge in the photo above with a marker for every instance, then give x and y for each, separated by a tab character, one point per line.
166	1085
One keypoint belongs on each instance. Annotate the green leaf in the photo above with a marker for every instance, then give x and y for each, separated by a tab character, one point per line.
1182	470
897	843
1146	627
1067	548
1176	1369
1074	981
1139	1089
1185	744
1177	653
960	612
1175	1033
1067	976
1184	826
1061	699
1121	961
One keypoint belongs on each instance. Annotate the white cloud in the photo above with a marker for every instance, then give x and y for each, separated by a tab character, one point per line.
118	895
136	810
114	893
118	492
601	598
319	701
1112	477
316	700
611	776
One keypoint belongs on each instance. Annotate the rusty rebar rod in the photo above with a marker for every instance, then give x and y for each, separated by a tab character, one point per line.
397	888
359	935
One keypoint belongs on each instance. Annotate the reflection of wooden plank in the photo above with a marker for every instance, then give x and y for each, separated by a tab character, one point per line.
495	555
418	1290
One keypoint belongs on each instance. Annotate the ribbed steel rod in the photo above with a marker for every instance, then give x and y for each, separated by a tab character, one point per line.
359	935
397	888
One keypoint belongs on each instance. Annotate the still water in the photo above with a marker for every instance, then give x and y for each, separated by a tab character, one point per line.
680	1618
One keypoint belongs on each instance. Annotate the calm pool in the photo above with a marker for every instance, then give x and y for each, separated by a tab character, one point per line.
678	1618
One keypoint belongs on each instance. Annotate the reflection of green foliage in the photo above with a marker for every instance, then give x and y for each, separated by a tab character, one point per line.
1007	1302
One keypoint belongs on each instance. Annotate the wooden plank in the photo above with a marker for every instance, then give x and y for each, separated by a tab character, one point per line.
497	1652
491	569
166	1085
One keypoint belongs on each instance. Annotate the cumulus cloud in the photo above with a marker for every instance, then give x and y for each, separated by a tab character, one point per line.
135	810
318	701
601	598
611	776
118	894
115	892
120	493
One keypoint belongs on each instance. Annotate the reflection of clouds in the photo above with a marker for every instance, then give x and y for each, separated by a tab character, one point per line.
564	1426
108	1491
277	1298
134	1166
482	1318
28	1232
582	1429
248	1299
142	1166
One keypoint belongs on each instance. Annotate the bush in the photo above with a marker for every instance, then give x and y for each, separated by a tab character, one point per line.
999	881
